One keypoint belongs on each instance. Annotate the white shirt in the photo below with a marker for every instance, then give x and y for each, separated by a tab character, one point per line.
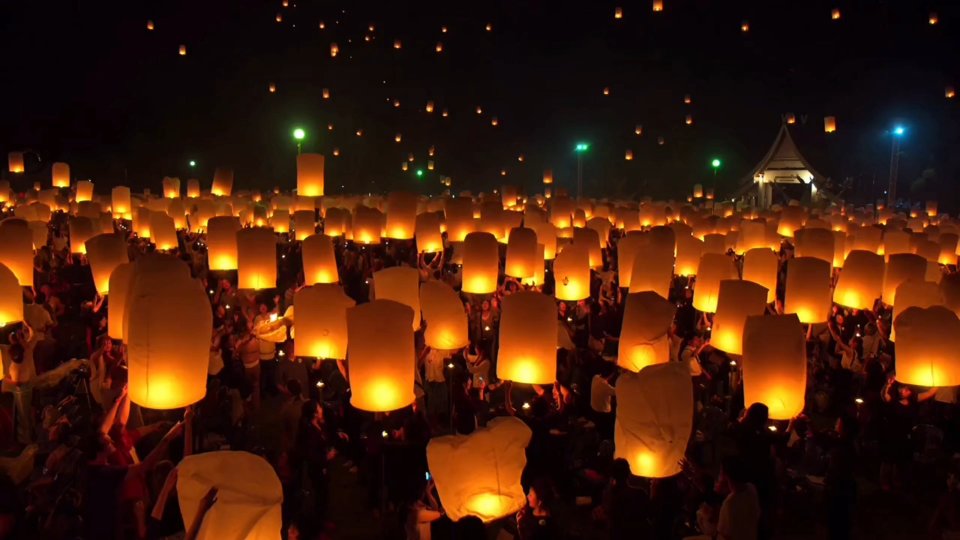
739	516
38	318
434	366
600	394
692	361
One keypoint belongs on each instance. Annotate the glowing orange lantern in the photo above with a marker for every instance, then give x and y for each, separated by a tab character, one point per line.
321	321
256	258
183	50
480	263
736	301
761	266
807	291
222	182
528	339
775	364
571	271
713	269
105	252
647	318
861	280
927	341
830	124
16	250
310	175
911	293
444	315
382	355
15	162
221	240
521	260
900	268
319	260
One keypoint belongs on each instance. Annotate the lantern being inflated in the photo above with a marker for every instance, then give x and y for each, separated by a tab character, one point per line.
927	344
900	268
11	297
480	263
16	250
737	301
479	474
382	356
714	268
445	317
221	239
321	321
528	339
256	258
775	364
761	266
400	284
105	252
647	318
571	271
861	280
807	291
654	419
319	260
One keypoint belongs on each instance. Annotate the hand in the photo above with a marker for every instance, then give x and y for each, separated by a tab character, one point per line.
188	414
332	453
207	501
171	480
125	391
174	432
343	436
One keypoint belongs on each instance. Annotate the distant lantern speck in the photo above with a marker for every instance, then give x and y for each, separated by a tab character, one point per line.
658	5
445	113
933	18
398	137
330	127
503	172
359	132
835	14
639	130
149	25
479	110
396	103
493	121
279	17
606	90
660	141
439	47
618	13
629	156
429	106
322	26
520	158
326	93
686	99
443	29
745	26
273	88
830	124
689	119
183	50
336	151
489	28
334	49
949	92
791	118
396	44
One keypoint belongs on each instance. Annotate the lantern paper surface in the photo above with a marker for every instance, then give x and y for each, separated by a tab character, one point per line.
647	318
445	317
367	225
528	339
590	239
221	239
861	280
713	269
400	284
15	162
761	265
901	267
223	182
522	253
479	474
654	419
571	271
321	322
429	238
319	260
775	364
304	224
163	232
105	252
921	294
256	258
480	263
401	215
11	297
814	243
627	250
61	175
652	270
16	251
84	190
119	283
538	269
927	344
381	355
168	323
248	498
807	291
737	301
689	251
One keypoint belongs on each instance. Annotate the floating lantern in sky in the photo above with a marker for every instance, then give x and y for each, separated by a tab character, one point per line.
396	44
149	25
660	141
638	130
183	50
654	419
334	49
479	110
835	14
775	364
900	268
503	172
807	292
493	121
273	88
445	113
933	19
326	93
439	47
330	127
830	124
15	162
479	474
606	91
431	150
429	106
480	263
791	118
520	158
359	133
689	119
949	92
256	258
761	265
222	182
336	151
319	261
382	355
443	29
398	138
61	175
643	340
736	301
310	175
658	5
572	273
279	17
618	13
629	155
489	28
447	327
686	99
528	339
322	25
745	26
927	341
521	257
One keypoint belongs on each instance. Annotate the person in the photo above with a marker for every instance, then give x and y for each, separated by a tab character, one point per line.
740	512
268	349
290	413
478	365
624	505
840	487
895	448
292	368
946	519
422	513
314	449
435	385
534	521
247	349
19	381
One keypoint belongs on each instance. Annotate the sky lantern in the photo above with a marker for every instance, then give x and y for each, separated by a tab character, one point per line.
444	315
900	268
753	234
303	224
713	268
629	155
149	25
618	13
835	14
396	44
479	110
689	119
15	162
546	235
119	283
479	474
521	259
689	251
933	19
381	356
737	301
761	266
279	17
439	46
193	188
528	339
654	271
791	219
11	297
326	93
163	231
923	294
248	506
429	106
273	88
16	250
168	341
861	280
61	175
333	47
400	284
839	248
830	124
310	175
480	263
321	321
571	271
221	240
81	229
775	364
171	187
428	235
256	258
319	260
322	25
401	215
548	176
538	269
590	239
807	292
489	28
367	225
222	182
647	318
814	243
927	342
745	26
654	419
398	138
606	90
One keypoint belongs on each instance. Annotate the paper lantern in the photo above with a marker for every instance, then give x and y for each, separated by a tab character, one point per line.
658	5
835	14
163	232
141	274
647	318
223	182
618	13
333	48
807	292
321	321
927	342
480	263
15	162
183	50
933	19
713	269
149	25
319	260
861	280
193	188
528	339
105	252
521	257
814	243
446	319
689	251
61	175
168	341
829	124
429	239
256	258
221	240
367	225
382	356
761	266
839	248
791	219
39	233
899	268
84	190
310	179
400	284
775	364
479	474
11	297
922	294
753	234
16	250
538	269
571	272
737	301
654	419
247	505
590	239
745	26
652	270
401	215
304	224
81	229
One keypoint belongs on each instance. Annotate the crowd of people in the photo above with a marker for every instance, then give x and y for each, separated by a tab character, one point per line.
84	462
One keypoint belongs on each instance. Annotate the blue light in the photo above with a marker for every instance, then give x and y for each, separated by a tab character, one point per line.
898	130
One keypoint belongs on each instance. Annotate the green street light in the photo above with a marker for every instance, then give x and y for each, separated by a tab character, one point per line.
716	163
580	148
299	134
419	172
193	163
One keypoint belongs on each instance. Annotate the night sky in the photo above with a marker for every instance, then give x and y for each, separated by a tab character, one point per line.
88	83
